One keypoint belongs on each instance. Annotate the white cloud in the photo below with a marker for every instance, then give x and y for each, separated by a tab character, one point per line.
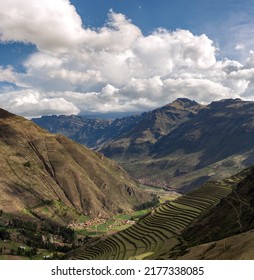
203	90
31	103
113	68
42	60
240	47
7	75
50	25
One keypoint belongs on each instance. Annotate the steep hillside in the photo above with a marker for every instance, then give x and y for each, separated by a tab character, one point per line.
138	141
220	130
233	215
83	130
159	235
51	177
236	247
130	136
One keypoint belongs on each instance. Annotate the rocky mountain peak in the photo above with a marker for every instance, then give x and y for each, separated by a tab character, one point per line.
183	103
226	102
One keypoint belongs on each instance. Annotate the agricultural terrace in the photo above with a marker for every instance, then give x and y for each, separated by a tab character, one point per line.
161	228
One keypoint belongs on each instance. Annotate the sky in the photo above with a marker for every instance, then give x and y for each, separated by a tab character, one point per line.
123	56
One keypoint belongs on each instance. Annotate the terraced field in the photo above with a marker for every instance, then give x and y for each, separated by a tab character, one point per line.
160	230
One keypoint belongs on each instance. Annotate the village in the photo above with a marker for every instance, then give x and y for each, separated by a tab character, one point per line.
92	224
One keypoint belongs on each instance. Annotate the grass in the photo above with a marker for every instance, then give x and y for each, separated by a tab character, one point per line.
13	257
118	228
143	256
164	195
45	209
82	231
123	217
10	244
83	218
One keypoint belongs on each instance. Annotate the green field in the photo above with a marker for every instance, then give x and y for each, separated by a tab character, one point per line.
111	225
163	194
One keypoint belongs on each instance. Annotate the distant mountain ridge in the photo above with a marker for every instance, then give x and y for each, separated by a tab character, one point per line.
94	132
91	132
180	145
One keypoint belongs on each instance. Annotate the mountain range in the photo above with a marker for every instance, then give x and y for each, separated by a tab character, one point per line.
180	145
48	182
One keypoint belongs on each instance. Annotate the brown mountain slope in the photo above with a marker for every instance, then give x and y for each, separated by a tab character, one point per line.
237	247
137	142
221	129
52	177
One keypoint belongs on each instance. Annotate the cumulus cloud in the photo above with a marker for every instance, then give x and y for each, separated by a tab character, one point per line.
31	103
50	25
114	68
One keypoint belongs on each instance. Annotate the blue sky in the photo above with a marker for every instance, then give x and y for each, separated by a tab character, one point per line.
115	56
224	21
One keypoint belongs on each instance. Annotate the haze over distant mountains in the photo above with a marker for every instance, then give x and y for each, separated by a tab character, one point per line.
179	145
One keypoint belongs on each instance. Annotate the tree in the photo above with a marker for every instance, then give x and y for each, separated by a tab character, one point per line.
4	234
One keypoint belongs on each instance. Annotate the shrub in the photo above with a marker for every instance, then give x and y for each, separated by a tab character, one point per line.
27	164
149	204
4	234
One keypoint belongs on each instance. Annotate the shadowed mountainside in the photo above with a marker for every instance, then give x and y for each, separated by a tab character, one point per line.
214	143
137	142
233	215
236	247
